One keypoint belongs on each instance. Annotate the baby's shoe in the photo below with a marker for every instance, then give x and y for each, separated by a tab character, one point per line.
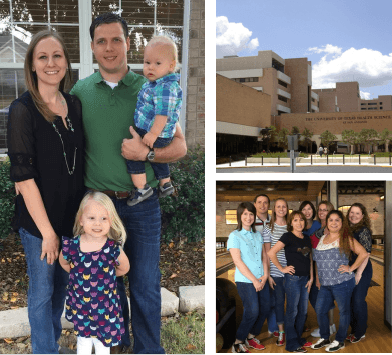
139	195
165	190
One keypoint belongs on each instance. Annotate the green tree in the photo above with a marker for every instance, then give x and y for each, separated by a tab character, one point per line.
368	136
327	138
385	137
282	137
307	135
350	137
273	134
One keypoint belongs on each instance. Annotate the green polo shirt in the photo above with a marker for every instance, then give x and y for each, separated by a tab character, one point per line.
107	115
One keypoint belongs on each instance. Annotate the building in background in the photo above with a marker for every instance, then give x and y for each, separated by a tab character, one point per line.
183	20
293	103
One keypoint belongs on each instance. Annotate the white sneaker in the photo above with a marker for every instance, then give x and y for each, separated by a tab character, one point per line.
335	346
316	333
332	329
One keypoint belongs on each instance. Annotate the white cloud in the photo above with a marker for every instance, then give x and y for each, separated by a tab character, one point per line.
232	38
329	49
368	67
366	95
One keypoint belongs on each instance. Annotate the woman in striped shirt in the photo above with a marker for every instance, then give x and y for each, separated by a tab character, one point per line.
278	227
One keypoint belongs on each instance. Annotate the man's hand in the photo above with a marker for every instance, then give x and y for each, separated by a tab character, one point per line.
134	148
149	139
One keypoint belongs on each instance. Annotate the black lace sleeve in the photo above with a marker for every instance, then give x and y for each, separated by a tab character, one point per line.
21	143
365	238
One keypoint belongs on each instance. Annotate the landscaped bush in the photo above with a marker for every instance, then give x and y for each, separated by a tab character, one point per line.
7	194
382	154
183	215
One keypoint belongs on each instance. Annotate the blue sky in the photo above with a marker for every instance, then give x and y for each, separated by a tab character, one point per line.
346	40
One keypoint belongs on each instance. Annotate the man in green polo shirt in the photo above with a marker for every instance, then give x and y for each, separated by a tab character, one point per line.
108	101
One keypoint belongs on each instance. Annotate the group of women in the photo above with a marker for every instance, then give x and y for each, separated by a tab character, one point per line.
321	256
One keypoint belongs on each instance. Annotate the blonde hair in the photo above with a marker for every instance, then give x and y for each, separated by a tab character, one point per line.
273	218
166	41
117	230
31	77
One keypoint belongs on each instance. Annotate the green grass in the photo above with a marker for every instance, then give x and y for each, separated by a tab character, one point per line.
184	335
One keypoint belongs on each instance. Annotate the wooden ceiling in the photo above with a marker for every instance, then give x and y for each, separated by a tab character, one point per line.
240	191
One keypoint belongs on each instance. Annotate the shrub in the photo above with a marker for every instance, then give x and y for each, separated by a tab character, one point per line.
183	215
7	195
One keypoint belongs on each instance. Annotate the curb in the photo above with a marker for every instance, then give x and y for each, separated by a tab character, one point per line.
15	323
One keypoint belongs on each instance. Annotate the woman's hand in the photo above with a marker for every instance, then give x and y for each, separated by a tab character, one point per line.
50	248
344	268
318	285
263	281
309	285
358	277
257	285
271	282
288	270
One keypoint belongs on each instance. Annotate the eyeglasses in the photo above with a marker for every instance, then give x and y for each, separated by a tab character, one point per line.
323	210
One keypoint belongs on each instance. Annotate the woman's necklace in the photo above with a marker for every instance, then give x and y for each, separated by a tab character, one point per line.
70	172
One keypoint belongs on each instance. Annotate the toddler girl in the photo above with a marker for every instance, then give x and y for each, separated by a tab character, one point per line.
157	111
93	259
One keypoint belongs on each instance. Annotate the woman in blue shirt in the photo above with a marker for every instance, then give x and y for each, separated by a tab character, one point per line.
312	224
251	276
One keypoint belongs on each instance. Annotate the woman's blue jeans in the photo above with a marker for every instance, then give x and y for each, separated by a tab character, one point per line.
45	297
296	310
256	307
278	293
342	294
359	310
271	317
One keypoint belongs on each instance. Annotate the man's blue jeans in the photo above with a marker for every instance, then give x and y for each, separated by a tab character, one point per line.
256	308
143	225
45	297
279	293
359	309
342	294
296	310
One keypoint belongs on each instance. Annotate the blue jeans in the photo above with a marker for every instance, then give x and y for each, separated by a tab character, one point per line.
359	310
161	170
45	297
278	293
143	225
256	307
296	310
271	316
342	294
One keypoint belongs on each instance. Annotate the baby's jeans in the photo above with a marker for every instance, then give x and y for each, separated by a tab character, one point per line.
161	170
85	346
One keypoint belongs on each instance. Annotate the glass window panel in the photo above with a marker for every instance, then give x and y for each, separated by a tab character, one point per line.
170	13
70	35
14	43
29	11
231	217
65	11
138	12
99	7
12	85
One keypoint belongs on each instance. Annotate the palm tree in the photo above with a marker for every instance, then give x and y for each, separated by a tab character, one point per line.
307	135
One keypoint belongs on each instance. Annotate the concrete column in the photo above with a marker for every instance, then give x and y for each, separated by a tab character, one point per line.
333	193
388	252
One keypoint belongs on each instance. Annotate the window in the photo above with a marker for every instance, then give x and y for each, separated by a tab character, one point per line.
380	103
372	103
344	209
231	216
282	98
280	82
21	19
380	107
363	104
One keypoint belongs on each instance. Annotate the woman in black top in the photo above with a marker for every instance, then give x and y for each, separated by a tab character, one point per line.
298	278
359	222
45	146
